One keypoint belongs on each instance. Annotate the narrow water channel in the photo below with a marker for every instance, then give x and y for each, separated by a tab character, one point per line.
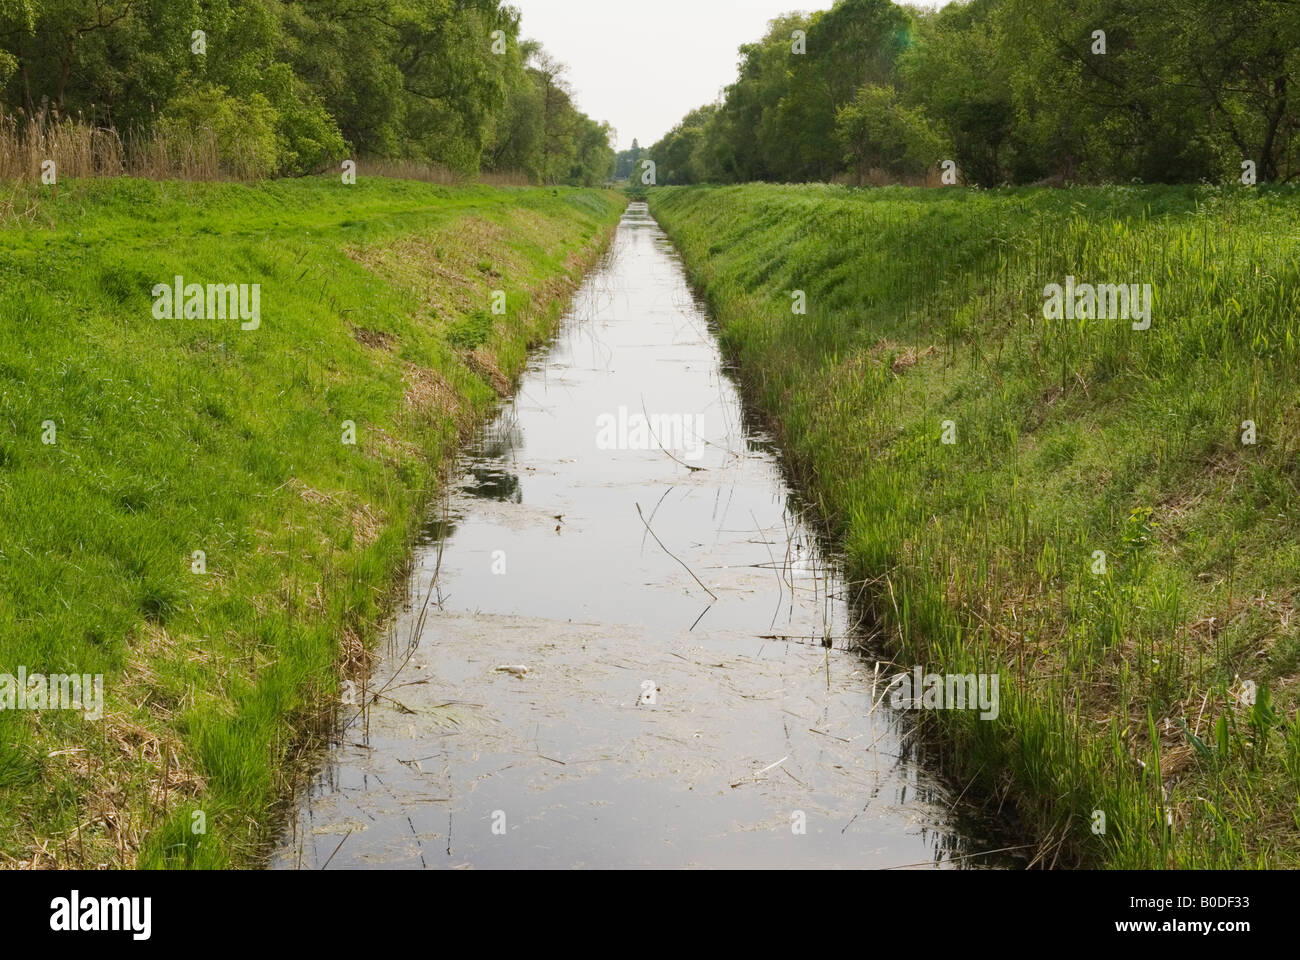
624	532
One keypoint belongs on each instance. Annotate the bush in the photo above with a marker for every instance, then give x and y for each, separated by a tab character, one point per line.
877	131
307	138
244	128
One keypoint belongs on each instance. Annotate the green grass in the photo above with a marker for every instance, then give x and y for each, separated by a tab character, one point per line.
1122	692
175	436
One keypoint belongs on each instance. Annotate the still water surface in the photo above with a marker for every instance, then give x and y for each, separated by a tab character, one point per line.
656	726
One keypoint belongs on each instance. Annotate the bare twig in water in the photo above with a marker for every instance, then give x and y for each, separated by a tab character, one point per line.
759	773
337	849
671	554
654	511
417	630
797	639
397	703
968	856
780	581
831	735
700	617
661	446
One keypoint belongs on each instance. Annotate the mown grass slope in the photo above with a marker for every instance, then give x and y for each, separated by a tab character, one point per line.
177	436
1158	690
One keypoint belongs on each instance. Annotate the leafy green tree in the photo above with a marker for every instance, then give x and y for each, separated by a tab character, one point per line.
17	17
243	127
752	142
112	61
628	161
447	81
341	50
514	140
877	132
1244	60
1120	114
678	157
594	160
957	69
1017	90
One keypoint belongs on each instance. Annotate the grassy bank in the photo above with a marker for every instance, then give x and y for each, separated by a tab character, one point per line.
1099	531
180	510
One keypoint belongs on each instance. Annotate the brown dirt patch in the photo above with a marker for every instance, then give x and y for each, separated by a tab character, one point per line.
375	339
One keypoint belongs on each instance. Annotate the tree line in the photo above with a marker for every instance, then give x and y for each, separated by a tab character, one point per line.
294	86
1011	91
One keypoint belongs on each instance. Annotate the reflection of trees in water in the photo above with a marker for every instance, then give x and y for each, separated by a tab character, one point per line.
493	466
492	481
435	529
500	441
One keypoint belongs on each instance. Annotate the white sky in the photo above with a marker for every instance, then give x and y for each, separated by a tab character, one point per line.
643	66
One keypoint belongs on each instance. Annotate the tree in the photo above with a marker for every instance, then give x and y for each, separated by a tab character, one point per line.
957	70
877	132
420	79
678	158
629	161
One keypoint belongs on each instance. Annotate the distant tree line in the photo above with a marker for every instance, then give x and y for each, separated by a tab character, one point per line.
1012	91
301	84
628	162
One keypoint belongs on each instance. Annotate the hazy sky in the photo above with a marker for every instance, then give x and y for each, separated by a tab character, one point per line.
641	67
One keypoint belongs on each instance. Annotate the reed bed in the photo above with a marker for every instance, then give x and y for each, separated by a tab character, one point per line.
79	149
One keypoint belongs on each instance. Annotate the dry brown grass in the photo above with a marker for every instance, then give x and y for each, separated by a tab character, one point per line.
17	205
876	177
374	339
130	779
81	149
78	149
505	178
420	170
426	172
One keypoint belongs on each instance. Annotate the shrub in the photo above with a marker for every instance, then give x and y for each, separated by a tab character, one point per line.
244	128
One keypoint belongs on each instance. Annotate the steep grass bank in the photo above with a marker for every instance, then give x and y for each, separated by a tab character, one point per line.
182	508
1099	527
